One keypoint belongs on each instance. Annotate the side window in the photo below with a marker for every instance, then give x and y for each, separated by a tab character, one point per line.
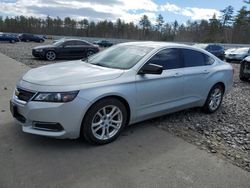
69	44
208	60
168	59
81	43
193	58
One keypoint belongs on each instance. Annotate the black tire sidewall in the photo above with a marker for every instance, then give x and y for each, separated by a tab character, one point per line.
91	53
206	107
86	130
241	75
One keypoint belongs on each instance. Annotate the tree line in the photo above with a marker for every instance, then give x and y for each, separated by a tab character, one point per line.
230	27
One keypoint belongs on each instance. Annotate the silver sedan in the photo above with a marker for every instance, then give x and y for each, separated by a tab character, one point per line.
127	83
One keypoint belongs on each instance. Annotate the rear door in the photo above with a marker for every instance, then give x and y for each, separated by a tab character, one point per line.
74	49
157	93
198	68
68	49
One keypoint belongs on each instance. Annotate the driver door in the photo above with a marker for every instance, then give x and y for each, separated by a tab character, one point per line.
157	94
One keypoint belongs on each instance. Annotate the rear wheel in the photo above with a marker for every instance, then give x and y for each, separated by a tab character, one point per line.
12	41
104	121
214	99
50	55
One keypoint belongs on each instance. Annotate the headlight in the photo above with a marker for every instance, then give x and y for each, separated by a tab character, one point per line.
56	97
39	50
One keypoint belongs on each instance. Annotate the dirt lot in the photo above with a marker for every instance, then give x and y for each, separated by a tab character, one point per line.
225	133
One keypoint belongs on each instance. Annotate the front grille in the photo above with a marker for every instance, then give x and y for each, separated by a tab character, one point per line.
24	95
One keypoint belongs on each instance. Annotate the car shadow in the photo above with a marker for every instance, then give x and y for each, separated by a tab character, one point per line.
133	130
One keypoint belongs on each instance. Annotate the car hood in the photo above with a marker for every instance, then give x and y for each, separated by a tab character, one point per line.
70	73
44	46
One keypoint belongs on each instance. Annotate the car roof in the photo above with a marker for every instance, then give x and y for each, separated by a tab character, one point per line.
65	40
153	44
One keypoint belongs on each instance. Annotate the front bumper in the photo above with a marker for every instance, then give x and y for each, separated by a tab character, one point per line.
68	115
38	54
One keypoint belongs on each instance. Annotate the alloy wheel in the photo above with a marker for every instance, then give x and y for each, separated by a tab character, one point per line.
215	99
107	122
50	56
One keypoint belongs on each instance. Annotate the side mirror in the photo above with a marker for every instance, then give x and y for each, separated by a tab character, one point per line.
151	69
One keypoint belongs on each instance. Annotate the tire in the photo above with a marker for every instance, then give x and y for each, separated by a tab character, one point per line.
214	99
89	53
50	55
12	41
40	41
243	79
241	75
96	126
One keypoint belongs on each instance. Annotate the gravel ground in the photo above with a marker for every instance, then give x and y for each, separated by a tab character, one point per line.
225	133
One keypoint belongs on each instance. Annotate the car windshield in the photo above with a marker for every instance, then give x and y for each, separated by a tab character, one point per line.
120	57
58	43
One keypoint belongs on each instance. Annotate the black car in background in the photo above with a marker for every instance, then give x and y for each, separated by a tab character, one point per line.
8	38
30	37
245	69
103	43
215	49
67	49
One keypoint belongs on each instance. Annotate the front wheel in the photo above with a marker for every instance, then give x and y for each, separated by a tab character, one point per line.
89	53
104	121
214	99
50	55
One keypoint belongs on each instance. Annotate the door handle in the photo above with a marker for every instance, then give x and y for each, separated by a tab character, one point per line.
205	71
177	74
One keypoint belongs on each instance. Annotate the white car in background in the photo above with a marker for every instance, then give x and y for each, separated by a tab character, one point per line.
230	50
238	54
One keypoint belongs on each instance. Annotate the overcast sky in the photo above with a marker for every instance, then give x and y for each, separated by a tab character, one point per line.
127	10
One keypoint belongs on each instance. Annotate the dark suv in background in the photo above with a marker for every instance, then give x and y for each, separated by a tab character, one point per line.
30	37
215	49
245	69
103	43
